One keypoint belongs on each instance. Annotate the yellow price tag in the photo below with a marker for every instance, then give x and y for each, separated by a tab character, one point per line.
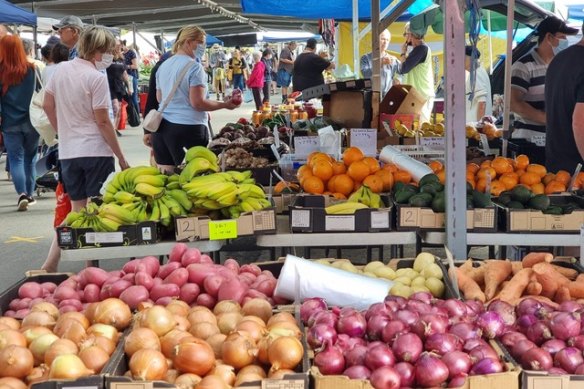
222	229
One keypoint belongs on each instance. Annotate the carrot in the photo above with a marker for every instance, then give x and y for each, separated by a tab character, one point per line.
536	257
563	294
478	274
495	273
576	289
470	289
533	288
549	279
566	272
515	287
516	266
580	278
466	266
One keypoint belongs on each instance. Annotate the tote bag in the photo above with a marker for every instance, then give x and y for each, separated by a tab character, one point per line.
38	117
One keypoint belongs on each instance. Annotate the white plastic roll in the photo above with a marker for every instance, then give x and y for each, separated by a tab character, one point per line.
416	168
300	279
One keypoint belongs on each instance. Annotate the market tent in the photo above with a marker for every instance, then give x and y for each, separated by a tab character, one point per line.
11	14
211	40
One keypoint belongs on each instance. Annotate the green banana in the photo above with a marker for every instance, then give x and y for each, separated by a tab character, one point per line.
200	152
234	211
158	180
77	223
239	177
71	217
252	204
173	178
164	213
171	185
149	190
210	204
228	199
124	197
245	191
155	214
173	206
181	197
108	224
137	171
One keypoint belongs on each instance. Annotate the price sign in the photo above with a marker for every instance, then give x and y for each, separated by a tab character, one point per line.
304	145
539	140
222	229
435	142
485	144
365	139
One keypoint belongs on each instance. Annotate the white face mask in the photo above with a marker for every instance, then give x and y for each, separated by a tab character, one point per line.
199	51
106	61
563	43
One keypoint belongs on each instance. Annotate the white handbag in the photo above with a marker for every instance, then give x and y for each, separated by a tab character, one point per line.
153	119
38	117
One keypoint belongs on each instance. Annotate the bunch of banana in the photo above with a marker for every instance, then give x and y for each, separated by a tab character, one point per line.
365	196
172	182
144	180
199	160
171	204
344	208
92	216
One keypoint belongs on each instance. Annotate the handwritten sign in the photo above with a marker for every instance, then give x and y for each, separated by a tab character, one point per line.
365	139
539	140
304	145
436	143
222	229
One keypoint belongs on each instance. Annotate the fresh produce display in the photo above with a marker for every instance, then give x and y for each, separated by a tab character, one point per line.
419	342
485	126
425	129
245	135
535	276
238	158
220	348
520	197
360	199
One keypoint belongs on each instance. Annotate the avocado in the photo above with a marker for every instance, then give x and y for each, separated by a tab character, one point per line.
539	202
428	188
403	196
481	200
439	203
469	202
469	188
568	208
521	194
398	186
421	200
504	198
428	178
515	205
552	210
437	185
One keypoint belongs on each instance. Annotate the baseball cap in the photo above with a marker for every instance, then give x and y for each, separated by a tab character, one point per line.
469	51
69	21
554	25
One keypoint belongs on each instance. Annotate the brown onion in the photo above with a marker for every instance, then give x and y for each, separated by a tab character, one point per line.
225	372
226	306
228	321
285	353
239	350
178	307
141	338
114	312
263	346
254	319
15	361
47	307
71	329
106	330
40	345
216	343
94	358
68	366
106	344
187	381
148	365
281	317
10	322
249	377
204	330
38	374
171	376
255	330
253	369
35	319
80	317
32	333
195	357
182	323
212	382
60	347
284	328
201	314
15	337
280	374
89	311
258	307
12	383
170	340
158	319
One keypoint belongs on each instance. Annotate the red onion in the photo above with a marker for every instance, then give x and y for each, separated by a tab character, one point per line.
570	306
521	348
319	334
552	346
528	306
430	371
418	307
559	371
465	331
376	309
458	362
352	324
428	325
379	356
482	352
407	347
398	299
323	317
438	311
538	333
356	355
536	359
486	366
375	326
510	338
330	361
569	359
505	310
472	343
474	307
526	321
357	372
407	373
385	378
392	329
443	343
458	381
310	306
407	317
577	341
491	323
425	297
454	307
565	325
579	370
392	306
346	343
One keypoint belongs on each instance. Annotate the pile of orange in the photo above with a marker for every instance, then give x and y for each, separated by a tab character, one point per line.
322	174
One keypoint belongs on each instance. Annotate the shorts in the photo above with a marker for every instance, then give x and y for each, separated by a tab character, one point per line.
169	142
85	176
283	78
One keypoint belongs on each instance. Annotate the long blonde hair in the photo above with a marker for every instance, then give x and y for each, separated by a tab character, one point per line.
95	39
186	33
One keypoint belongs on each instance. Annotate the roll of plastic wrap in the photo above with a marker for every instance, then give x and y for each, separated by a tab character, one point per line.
416	168
300	279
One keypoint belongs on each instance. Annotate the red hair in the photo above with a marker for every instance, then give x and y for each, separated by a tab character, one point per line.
13	62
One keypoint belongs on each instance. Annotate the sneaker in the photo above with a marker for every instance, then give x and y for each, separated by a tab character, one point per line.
31	200
22	203
118	133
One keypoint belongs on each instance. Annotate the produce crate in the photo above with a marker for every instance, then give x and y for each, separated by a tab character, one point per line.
147	232
307	214
540	379
410	218
283	201
12	292
91	382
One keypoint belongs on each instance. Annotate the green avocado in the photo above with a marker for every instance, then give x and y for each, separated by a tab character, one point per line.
521	194
469	188
428	188
420	200
428	178
553	210
515	205
403	196
469	202
504	198
539	202
439	202
481	200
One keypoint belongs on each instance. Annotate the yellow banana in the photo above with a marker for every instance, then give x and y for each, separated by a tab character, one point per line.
200	152
123	197
119	212
245	191
239	177
149	190
159	180
155	214
71	217
137	171
196	167
219	190
228	199
108	224
210	204
173	206
347	207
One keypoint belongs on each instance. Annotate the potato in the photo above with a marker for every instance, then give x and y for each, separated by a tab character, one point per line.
436	286
385	272
420	288
418	281
432	270
372	266
339	262
411	273
400	290
402	272
323	262
369	274
423	260
348	266
403	280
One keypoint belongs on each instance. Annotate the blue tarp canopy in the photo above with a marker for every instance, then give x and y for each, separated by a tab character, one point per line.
212	40
331	9
11	14
576	11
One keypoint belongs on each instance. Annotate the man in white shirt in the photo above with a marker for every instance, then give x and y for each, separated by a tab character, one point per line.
481	103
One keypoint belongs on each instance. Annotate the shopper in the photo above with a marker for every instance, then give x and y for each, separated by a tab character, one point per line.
220	79
237	65
267	61
285	67
389	64
69	30
17	84
256	79
29	49
185	119
479	102
564	92
308	68
118	80
58	53
528	78
152	102
217	55
416	67
132	68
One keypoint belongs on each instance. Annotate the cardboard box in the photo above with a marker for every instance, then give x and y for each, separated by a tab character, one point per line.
190	229
11	292
350	108
308	214
541	380
283	201
130	235
402	99
91	382
410	218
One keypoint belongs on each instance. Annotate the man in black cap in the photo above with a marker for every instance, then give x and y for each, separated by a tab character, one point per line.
528	78
308	68
69	29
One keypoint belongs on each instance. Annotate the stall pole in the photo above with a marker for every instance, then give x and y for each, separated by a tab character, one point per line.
455	156
490	42
376	77
508	65
355	26
134	34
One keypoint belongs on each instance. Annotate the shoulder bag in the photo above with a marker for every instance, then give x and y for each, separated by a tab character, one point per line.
38	117
154	117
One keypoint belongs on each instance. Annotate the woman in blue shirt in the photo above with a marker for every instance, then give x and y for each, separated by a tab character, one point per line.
185	119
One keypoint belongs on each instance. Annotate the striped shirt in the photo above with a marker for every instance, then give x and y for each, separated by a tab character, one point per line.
528	77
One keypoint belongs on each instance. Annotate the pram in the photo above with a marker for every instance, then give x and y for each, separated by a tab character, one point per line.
47	169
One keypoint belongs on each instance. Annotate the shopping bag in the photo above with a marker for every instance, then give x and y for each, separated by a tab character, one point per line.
63	205
123	115
247	96
133	115
38	117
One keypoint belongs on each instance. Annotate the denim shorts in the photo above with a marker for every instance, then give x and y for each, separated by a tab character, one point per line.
283	78
85	176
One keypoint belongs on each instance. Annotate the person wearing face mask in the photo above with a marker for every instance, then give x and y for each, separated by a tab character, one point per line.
528	78
185	119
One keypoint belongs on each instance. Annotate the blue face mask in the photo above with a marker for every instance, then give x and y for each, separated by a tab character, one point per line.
199	51
563	43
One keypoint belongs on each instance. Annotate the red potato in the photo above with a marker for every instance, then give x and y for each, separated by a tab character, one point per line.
129	277
251	268
164	290
234	290
130	266
134	295
178	277
118	287
165	270
49	286
156	281
247	278
199	271
177	252
92	275
150	264
267	287
190	256
144	279
116	273
65	293
31	290
212	284
232	265
206	300
226	273
207	259
189	292
91	293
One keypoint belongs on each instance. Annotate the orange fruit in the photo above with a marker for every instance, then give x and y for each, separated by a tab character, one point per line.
436	166
373	164
519	172
375	183
486	163
472	167
357	186
547	178
387	179
442	176
303	172
402	176
579	181
358	171
472	183
352	154
529	178
538	188
497	187
510	180
317	156
339	168
322	170
481	185
487	171
343	184
501	165
389	167
564	177
521	161
470	176
331	184
339	196
313	185
555	187
540	170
